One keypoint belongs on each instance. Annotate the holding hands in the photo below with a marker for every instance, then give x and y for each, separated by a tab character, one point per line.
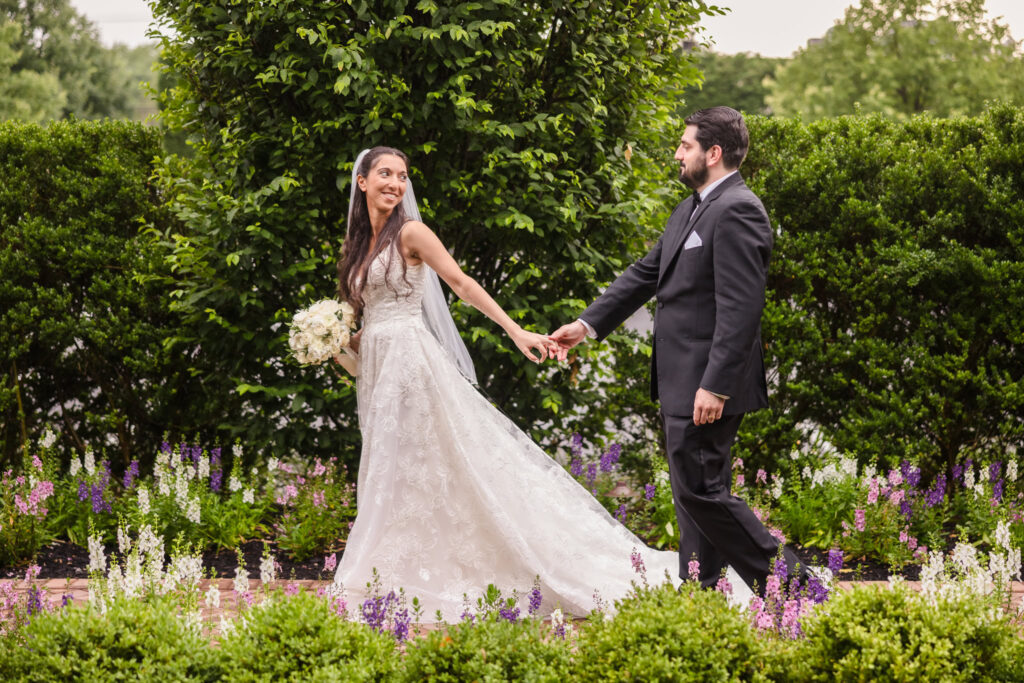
526	342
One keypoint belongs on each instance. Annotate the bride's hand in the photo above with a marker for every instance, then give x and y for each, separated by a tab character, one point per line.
527	341
353	341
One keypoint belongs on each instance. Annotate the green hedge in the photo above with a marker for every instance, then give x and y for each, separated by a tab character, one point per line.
659	634
301	639
133	641
667	635
896	288
82	322
878	634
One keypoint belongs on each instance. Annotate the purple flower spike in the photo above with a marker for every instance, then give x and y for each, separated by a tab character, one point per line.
835	561
535	598
401	628
611	458
913	477
577	444
818	591
509	614
781	570
649	491
958	472
99	504
994	471
131	474
936	495
997	492
576	467
906	510
35	600
83	490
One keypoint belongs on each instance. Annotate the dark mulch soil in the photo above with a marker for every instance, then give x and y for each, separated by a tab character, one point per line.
66	560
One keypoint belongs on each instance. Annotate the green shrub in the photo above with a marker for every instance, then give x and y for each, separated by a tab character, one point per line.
82	322
665	635
300	638
895	288
877	634
491	649
132	641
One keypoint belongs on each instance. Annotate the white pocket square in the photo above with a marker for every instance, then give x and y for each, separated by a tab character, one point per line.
693	241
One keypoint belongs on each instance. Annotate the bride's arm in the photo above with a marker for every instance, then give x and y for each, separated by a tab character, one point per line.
419	242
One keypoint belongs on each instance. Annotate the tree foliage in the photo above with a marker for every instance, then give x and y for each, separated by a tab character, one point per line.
538	134
737	81
896	285
903	57
52	65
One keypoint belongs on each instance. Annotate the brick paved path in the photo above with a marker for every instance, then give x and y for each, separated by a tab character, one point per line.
79	591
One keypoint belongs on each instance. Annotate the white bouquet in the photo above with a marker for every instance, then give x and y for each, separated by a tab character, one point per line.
321	332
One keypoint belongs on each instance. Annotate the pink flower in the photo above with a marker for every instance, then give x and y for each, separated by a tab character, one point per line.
289	494
318	499
291	588
895	477
694	569
762	477
723	586
330	562
904	536
319	469
773	587
339	606
873	491
740	479
896	497
859	521
37	463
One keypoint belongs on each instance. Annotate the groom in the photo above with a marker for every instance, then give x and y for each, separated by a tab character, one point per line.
708	274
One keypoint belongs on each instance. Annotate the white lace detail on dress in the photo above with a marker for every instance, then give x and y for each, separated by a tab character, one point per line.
452	496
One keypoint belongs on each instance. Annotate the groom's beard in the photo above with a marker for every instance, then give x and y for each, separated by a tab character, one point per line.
694	176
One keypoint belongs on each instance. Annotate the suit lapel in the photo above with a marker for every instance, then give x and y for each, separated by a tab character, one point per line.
677	225
687	228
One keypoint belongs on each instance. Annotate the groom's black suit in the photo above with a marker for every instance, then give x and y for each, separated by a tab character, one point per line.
708	273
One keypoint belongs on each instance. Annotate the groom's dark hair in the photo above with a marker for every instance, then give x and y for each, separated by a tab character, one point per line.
722	126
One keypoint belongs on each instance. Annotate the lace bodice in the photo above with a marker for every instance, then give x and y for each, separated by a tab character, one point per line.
399	298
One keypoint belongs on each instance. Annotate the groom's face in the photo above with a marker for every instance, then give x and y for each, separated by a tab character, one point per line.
693	166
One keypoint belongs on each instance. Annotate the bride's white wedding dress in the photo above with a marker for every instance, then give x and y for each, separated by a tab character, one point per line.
452	496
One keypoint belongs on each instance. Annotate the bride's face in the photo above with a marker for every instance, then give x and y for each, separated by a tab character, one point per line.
385	184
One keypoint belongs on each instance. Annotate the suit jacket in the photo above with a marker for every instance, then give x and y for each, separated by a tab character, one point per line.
707	324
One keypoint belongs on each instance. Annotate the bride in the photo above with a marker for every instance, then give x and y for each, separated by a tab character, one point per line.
451	495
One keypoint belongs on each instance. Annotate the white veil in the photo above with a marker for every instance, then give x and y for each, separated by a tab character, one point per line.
436	315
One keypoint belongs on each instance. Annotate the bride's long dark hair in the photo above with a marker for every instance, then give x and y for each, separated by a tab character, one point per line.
356	256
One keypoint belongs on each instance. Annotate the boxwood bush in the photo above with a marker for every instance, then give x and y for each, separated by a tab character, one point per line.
895	288
299	638
662	634
880	634
133	640
82	320
490	649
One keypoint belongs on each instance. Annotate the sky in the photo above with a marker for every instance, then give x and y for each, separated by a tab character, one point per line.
773	28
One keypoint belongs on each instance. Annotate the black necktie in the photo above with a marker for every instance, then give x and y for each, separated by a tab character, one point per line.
696	203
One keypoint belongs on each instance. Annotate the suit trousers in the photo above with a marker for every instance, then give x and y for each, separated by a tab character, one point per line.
715	527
